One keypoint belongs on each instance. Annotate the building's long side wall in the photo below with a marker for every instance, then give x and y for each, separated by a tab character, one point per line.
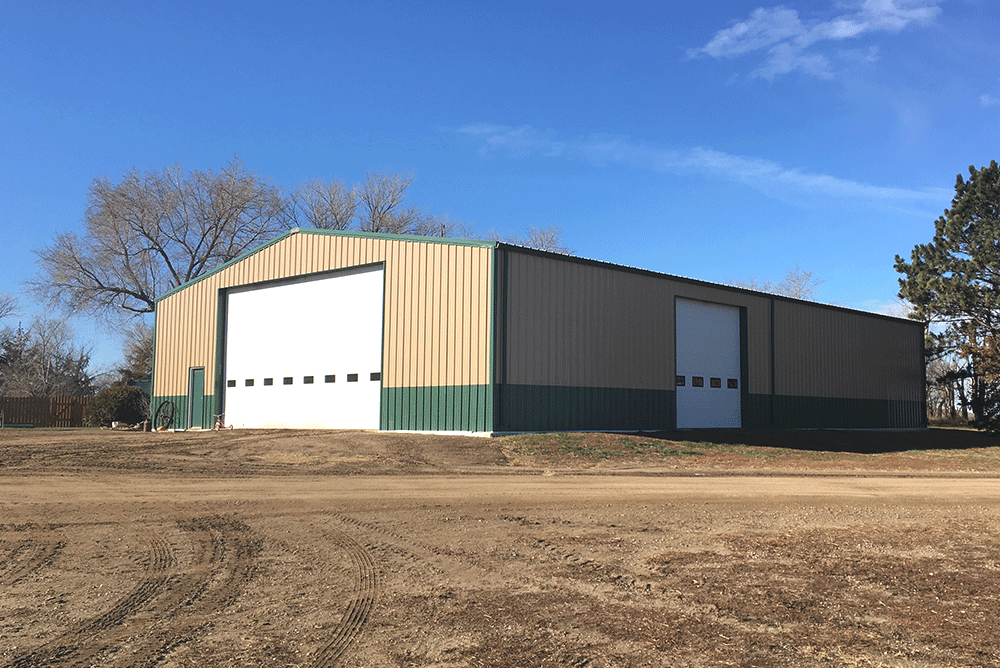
586	346
436	325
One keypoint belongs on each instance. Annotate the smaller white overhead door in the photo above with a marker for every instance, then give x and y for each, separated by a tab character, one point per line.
306	353
708	365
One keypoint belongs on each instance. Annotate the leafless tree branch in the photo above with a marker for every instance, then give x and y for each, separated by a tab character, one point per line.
539	238
8	305
153	231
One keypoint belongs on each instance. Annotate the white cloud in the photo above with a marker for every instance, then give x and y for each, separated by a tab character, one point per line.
787	38
519	142
764	28
787	58
988	100
869	55
758	173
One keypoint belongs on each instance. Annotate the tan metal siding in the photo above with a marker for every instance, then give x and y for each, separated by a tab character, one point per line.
435	333
581	325
572	324
823	352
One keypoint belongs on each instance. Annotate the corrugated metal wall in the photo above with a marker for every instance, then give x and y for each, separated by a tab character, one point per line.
873	366
823	352
437	308
572	323
574	332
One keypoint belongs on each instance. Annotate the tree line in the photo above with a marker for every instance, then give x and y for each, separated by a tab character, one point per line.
42	360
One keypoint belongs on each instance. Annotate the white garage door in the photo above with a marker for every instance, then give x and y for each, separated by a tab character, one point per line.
306	353
708	365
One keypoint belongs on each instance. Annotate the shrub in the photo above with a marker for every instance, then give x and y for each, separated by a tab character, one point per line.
119	403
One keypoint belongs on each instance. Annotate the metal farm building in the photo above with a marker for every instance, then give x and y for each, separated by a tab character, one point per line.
374	331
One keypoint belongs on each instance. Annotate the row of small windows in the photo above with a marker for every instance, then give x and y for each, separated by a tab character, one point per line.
306	380
699	381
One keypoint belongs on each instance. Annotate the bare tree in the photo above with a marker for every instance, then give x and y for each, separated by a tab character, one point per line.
797	283
545	238
8	305
947	383
378	204
154	231
380	198
325	205
440	226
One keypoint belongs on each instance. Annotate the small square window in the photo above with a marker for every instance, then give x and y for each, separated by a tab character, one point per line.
248	382
330	378
352	378
697	381
307	380
680	381
715	382
269	381
230	383
733	384
287	380
376	375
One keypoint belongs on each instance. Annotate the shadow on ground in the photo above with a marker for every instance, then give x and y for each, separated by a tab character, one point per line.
836	440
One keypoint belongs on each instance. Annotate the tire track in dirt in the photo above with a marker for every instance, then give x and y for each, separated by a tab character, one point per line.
167	607
448	564
27	556
359	610
225	562
78	645
427	556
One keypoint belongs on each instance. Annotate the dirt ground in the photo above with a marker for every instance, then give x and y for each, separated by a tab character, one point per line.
309	548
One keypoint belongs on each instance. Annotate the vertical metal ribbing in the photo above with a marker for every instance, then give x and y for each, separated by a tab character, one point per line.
773	366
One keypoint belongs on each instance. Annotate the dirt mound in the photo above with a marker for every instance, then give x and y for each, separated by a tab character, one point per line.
243	453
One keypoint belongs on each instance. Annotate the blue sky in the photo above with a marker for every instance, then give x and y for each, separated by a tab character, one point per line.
719	140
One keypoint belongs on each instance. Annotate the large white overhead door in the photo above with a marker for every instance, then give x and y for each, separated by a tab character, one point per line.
306	353
708	365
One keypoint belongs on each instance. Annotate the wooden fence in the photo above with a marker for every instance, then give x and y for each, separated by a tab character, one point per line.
43	411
